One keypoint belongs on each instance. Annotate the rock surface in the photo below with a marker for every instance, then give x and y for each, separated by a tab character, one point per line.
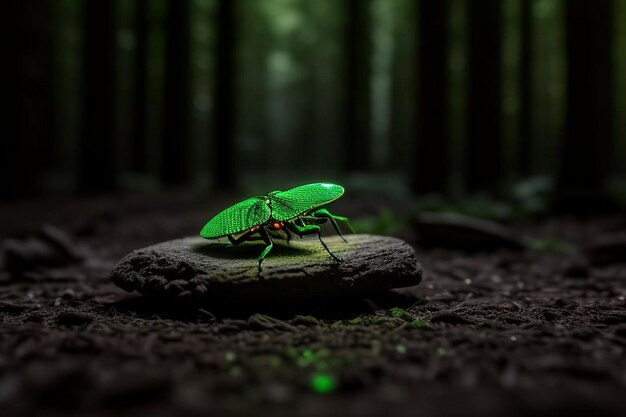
211	270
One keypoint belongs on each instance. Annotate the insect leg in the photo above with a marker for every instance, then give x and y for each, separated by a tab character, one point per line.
268	240
245	237
323	220
311	229
322	216
304	220
288	233
325	213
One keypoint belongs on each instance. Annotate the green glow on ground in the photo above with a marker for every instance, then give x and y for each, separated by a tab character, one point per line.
323	383
400	313
314	358
418	324
441	351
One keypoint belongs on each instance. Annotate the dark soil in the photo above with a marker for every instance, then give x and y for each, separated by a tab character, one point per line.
502	332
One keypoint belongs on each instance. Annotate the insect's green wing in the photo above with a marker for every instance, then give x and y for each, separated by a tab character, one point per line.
289	204
237	218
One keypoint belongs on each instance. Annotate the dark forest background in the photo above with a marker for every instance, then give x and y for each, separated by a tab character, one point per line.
453	98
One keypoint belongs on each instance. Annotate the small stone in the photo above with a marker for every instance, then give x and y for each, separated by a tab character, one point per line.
177	286
35	317
172	336
265	322
68	294
216	271
305	320
448	317
206	315
14	308
51	246
73	318
64	242
576	269
464	232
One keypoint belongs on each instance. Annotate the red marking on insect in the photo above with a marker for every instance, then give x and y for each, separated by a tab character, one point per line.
277	225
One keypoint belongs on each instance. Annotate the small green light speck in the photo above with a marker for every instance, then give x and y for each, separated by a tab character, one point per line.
441	351
323	383
401	349
230	356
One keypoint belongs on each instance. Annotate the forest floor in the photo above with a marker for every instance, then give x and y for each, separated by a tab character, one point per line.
501	332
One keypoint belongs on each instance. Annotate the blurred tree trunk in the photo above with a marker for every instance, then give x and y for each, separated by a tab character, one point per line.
403	126
431	163
589	123
67	35
98	156
526	82
225	92
358	90
155	88
457	99
28	139
139	140
304	94
619	160
484	95
175	169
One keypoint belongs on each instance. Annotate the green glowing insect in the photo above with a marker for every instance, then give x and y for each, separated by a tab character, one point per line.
277	215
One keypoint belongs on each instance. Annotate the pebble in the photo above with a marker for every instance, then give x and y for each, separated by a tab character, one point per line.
73	318
464	232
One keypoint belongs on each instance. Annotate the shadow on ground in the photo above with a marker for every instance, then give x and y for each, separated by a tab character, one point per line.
326	308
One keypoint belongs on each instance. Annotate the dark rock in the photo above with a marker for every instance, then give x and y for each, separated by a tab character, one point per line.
616	317
265	322
172	336
306	320
205	315
50	247
468	233
607	249
15	308
219	271
449	317
73	318
577	269
35	317
64	242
